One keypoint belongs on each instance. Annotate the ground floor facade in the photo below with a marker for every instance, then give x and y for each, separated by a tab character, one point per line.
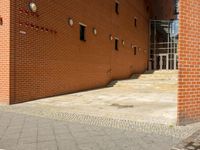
50	48
62	48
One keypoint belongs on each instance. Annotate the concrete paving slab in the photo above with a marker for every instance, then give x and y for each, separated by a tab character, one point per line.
147	100
191	143
89	138
134	114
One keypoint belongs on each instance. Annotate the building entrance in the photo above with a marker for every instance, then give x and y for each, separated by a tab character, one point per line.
163	45
161	62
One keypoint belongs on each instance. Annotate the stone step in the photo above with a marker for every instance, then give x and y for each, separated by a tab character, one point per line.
141	84
162	72
148	78
149	75
155	76
158	78
137	81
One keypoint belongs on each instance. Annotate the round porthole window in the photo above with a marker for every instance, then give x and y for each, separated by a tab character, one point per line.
33	7
70	22
94	31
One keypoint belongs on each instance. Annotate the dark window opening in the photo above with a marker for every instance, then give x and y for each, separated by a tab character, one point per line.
147	8
1	21
82	33
135	50
117	7
135	22
116	44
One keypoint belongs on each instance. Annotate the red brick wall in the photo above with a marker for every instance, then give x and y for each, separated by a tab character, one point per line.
189	62
47	64
4	50
162	9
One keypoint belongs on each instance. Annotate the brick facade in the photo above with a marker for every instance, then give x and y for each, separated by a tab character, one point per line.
4	51
162	9
47	57
42	56
189	62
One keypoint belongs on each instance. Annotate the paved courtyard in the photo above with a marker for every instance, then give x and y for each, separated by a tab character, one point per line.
19	131
24	132
190	143
134	114
151	97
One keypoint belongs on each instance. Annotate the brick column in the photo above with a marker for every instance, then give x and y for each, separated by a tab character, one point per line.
4	51
189	62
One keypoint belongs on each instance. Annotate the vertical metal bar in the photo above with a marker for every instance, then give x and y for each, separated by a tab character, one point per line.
161	62
171	46
175	53
167	61
154	50
168	44
149	51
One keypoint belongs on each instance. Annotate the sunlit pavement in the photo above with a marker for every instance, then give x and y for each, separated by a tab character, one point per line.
23	132
134	114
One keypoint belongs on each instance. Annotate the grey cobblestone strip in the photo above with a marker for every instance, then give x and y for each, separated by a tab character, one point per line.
44	133
160	129
191	143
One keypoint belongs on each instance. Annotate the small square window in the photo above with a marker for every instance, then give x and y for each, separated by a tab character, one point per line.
1	21
116	44
82	32
117	7
135	22
135	50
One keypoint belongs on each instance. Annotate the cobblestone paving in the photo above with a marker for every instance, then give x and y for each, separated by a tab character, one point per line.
181	132
24	132
149	98
191	143
97	120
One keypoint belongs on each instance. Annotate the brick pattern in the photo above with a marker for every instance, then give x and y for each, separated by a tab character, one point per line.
4	50
49	59
189	62
161	9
